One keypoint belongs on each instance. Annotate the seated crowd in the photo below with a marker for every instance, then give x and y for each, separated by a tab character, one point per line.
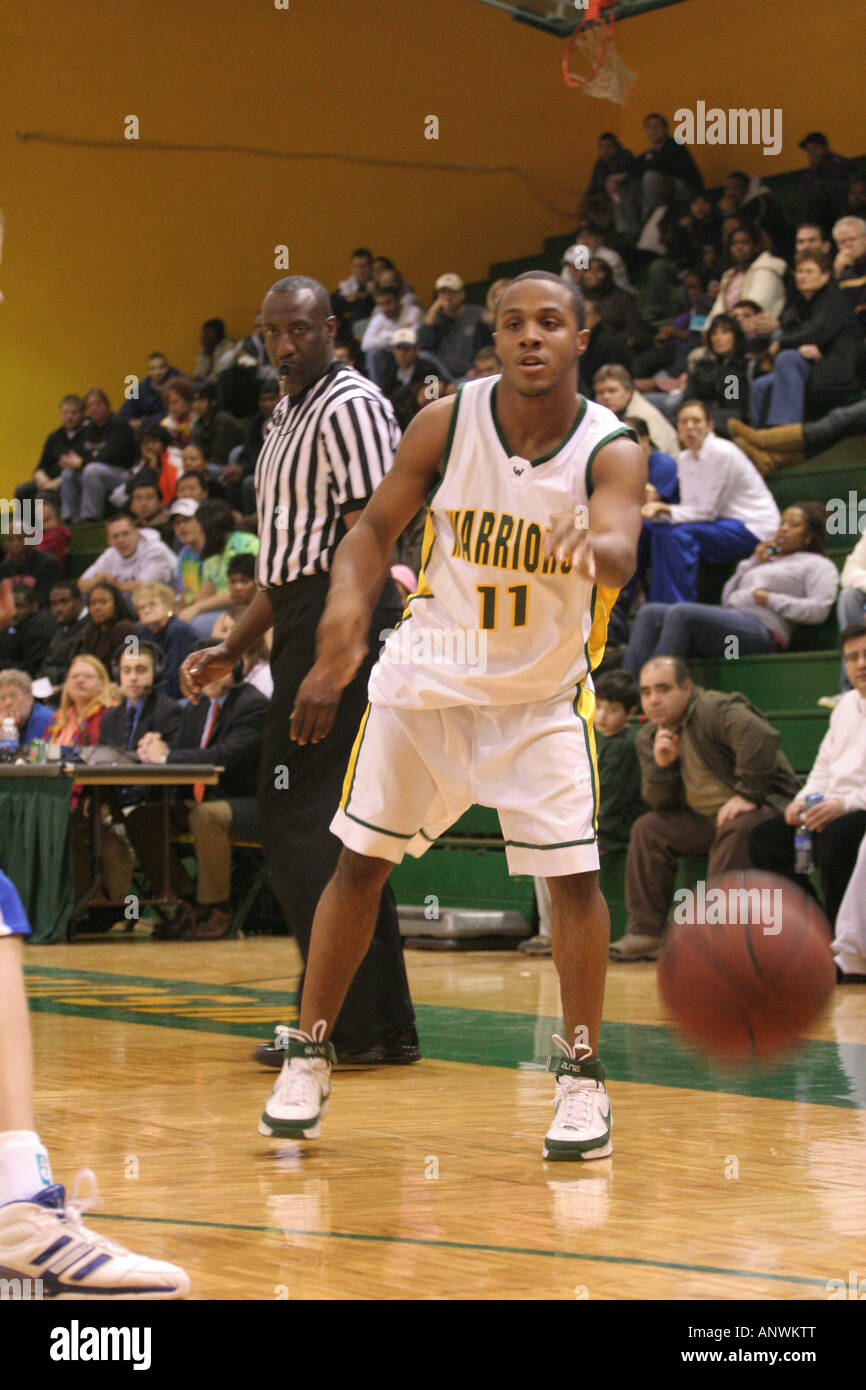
745	354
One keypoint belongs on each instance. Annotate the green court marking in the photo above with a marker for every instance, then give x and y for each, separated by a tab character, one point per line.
820	1073
812	1281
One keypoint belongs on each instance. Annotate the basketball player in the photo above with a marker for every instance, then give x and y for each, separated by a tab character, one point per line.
531	532
41	1234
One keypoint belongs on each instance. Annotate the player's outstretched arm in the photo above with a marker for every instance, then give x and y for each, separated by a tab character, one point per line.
606	553
359	568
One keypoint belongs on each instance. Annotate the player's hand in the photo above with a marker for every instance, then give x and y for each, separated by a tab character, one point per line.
734	806
794	812
566	541
666	747
341	645
816	817
200	668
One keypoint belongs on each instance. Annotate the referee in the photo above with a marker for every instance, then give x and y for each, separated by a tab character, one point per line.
332	440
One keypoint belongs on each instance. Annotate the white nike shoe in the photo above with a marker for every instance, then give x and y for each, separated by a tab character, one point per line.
299	1099
582	1120
44	1242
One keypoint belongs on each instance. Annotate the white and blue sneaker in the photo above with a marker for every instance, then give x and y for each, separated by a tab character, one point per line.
44	1242
582	1120
299	1099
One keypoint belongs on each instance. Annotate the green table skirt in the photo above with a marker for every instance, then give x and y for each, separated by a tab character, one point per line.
36	850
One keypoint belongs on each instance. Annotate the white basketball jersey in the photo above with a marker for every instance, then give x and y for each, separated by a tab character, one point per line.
493	623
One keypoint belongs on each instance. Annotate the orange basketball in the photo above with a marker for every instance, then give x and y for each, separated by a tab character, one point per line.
746	965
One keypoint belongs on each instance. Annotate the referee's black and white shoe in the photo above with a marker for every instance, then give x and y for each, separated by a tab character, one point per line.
397	1049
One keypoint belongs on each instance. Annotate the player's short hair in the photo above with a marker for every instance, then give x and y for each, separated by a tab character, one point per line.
619	688
682	674
618	372
693	400
638	424
572	290
298	284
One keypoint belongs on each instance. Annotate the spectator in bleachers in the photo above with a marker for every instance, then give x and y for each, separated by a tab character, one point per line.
849	265
109	623
194	487
751	273
107	454
70	624
149	401
665	158
410	371
619	776
751	317
701	231
611	154
26	564
782	446
177	402
850	607
16	702
225	728
221	542
492	298
157	457
390	315
485	363
661	366
856	200
352	301
242	579
145	707
838	822
451	329
146	505
190	537
759	209
819	353
240	374
616	307
258	428
68	439
25	640
214	431
55	536
785	584
724	510
849	945
621	201
613	386
711	769
591	238
132	556
605	347
215	345
256	661
661	467
159	624
718	375
823	191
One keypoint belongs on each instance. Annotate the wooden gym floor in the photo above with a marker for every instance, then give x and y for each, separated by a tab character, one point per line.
428	1181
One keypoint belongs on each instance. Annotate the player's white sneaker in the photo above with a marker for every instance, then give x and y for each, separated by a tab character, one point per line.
45	1242
581	1121
299	1099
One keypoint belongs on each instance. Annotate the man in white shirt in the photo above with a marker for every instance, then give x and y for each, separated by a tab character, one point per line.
590	242
838	821
391	314
725	510
133	557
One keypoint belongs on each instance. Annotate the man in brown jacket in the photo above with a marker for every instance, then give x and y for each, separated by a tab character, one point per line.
711	769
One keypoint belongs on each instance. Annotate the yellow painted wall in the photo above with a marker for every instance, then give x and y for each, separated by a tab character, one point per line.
111	252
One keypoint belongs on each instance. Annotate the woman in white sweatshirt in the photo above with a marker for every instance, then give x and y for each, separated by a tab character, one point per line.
751	274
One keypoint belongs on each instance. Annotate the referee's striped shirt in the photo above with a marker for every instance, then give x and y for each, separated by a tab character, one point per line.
327	450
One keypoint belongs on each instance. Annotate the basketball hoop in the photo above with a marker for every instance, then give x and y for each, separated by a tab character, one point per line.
591	62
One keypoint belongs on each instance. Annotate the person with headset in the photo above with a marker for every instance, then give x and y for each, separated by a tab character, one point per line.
224	729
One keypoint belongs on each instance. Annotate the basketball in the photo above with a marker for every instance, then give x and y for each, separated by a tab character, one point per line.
746	966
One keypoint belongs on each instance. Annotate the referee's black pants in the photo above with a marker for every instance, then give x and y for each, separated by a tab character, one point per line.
835	848
293	822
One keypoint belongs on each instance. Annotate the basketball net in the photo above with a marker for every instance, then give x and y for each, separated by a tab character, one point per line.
592	62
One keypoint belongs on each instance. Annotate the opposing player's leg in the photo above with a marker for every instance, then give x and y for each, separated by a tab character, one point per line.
41	1234
581	1127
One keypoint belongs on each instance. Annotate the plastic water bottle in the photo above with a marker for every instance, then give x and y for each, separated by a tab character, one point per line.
804	856
9	740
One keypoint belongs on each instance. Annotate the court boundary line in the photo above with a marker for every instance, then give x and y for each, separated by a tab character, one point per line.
631	1260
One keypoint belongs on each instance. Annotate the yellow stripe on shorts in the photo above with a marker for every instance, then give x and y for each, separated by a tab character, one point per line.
353	760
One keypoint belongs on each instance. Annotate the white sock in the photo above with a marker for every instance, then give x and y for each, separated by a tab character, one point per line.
25	1168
